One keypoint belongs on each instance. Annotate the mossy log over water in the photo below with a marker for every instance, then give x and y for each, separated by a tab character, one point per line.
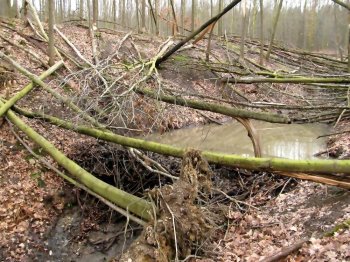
216	108
262	164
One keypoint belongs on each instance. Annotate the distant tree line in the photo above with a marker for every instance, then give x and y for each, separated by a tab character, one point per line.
308	24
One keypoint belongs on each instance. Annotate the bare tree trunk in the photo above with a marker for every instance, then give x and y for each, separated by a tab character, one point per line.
156	12
349	48
122	12
89	13
337	38
175	27
194	6
261	32
244	29
81	9
51	32
143	15
95	13
220	22
183	13
114	8
275	22
137	16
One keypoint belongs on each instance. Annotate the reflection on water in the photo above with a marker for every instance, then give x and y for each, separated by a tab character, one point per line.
287	141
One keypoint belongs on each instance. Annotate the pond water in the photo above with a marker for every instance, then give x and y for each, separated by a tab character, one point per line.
293	141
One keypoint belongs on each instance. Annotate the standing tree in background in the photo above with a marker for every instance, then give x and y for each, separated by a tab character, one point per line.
122	11
137	16
336	33
275	22
261	32
156	12
95	13
347	6
143	15
194	6
183	13
220	22
175	25
114	11
81	9
51	33
245	18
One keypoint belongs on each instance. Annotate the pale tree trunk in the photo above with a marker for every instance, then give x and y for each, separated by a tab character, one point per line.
51	32
122	11
337	38
220	22
95	13
261	32
137	16
114	8
88	7
156	12
275	22
349	42
183	10
81	9
312	26
194	7
175	25
244	29
301	36
143	15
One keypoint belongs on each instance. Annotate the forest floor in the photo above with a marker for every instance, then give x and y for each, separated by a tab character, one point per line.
42	218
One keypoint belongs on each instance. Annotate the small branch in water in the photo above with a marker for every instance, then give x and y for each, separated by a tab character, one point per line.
334	134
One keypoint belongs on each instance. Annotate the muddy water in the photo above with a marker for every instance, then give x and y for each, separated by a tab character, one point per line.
286	141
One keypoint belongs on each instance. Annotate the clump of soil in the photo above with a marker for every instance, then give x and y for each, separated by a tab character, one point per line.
181	223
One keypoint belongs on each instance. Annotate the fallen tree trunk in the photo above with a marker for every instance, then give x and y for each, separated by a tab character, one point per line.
204	26
27	89
262	164
129	202
296	80
217	108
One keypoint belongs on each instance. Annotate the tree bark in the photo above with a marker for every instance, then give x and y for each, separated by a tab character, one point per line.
95	13
27	89
143	15
193	16
220	22
129	202
341	3
275	22
217	108
285	166
261	32
51	33
204	26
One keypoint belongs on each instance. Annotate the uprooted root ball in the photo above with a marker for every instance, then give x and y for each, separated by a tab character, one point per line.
180	225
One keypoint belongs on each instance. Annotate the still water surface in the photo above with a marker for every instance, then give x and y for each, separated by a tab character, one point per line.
286	141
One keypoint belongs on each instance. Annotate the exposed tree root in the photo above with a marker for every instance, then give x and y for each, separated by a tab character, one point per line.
181	224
